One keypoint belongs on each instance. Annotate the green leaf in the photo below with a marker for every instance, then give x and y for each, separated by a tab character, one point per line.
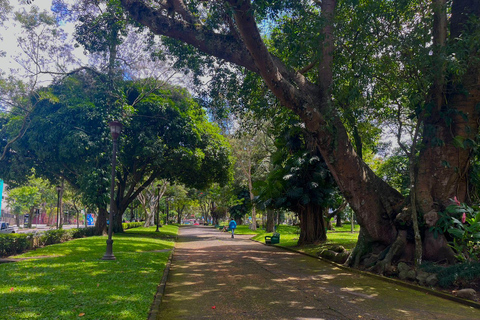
457	233
458	142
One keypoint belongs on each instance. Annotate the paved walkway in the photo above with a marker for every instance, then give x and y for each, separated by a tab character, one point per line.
215	277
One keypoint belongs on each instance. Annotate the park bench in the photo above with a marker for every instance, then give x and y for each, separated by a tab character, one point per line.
275	238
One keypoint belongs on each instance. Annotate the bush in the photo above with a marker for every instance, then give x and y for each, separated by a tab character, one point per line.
53	236
83	232
14	243
130	225
458	275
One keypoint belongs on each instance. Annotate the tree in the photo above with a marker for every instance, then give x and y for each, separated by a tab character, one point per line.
299	181
165	136
168	138
251	150
229	31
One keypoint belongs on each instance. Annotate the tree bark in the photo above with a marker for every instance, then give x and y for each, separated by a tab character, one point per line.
338	217
312	224
270	221
101	223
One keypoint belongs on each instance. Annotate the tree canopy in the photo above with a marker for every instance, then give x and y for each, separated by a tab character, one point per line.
345	68
166	136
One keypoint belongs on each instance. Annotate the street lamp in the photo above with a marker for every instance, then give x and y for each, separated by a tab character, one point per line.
158	207
168	199
59	189
115	129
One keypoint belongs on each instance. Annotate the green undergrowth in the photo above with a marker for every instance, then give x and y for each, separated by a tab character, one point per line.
460	275
69	280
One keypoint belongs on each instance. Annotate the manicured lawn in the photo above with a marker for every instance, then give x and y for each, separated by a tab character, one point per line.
289	238
243	229
69	280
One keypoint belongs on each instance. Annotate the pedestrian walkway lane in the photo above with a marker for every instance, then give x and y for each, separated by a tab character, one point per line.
215	277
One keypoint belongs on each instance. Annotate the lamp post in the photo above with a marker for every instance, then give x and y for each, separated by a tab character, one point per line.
59	189
168	209
115	129
158	206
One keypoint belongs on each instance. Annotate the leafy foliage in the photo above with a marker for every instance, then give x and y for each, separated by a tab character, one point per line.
459	275
299	177
465	231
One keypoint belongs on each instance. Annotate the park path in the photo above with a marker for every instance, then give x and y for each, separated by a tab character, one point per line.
215	277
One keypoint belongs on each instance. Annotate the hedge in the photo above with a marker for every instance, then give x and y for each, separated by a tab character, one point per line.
130	225
16	243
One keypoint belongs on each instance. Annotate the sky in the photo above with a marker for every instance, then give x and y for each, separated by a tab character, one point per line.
10	32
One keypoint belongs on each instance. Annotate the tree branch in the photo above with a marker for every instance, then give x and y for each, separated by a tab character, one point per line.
222	46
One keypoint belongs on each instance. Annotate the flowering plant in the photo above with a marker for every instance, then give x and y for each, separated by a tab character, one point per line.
465	230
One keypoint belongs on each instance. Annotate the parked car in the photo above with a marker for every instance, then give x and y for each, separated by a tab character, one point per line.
5	228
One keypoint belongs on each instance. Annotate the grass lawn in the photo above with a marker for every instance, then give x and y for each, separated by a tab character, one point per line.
69	280
244	229
289	238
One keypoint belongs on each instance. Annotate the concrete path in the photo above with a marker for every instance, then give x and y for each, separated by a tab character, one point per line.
215	277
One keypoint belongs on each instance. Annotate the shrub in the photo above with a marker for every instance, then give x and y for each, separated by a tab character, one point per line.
53	236
14	243
465	230
83	232
458	275
130	225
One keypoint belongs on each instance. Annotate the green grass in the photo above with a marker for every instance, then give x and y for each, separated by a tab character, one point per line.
346	227
289	238
243	229
69	280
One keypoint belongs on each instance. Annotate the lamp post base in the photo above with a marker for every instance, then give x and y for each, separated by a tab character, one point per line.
109	254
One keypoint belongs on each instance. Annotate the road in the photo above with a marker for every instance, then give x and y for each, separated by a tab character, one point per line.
215	277
44	227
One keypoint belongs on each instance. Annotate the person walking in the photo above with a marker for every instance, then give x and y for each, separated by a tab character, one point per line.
232	226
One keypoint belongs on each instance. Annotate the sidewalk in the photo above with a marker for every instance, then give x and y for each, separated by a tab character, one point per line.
215	277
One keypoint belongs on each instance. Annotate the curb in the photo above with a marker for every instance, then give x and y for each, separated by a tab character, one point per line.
157	300
440	294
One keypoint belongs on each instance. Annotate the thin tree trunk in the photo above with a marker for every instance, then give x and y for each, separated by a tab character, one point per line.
270	221
339	220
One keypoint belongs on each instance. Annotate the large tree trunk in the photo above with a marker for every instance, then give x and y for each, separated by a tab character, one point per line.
454	115
312	224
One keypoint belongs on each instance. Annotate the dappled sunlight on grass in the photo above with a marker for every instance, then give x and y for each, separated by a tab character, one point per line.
289	238
69	279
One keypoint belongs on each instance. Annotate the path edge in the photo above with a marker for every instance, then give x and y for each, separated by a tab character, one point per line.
439	294
157	300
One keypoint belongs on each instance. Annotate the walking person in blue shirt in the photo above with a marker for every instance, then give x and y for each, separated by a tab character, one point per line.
232	226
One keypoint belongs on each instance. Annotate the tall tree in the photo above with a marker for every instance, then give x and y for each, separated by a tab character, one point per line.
229	30
166	136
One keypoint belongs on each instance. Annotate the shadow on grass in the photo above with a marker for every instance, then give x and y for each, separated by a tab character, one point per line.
75	281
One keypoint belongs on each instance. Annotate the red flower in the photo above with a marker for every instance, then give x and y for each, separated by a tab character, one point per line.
456	201
464	217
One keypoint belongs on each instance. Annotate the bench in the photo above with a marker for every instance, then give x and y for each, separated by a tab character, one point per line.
275	238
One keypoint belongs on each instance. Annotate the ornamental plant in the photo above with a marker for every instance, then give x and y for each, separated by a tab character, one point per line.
465	230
